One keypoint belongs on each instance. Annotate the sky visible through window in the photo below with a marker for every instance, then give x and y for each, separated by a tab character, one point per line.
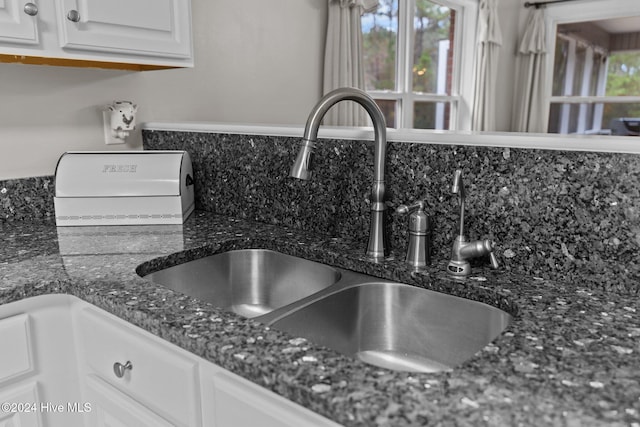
385	17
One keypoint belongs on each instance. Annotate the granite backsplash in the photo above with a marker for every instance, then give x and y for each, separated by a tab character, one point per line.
551	213
27	199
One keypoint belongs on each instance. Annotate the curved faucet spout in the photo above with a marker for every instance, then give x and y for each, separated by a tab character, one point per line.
458	188
377	247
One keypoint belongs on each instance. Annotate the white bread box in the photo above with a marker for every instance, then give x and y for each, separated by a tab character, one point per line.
123	188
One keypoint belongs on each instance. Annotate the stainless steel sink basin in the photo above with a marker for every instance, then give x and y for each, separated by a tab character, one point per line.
397	326
250	282
383	323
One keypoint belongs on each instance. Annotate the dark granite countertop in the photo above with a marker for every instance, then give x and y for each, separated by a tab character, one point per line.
570	357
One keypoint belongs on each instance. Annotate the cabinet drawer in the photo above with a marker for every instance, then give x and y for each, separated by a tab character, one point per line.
159	378
15	358
109	407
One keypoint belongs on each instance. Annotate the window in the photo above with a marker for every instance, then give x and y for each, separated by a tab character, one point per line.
579	74
596	69
623	79
413	61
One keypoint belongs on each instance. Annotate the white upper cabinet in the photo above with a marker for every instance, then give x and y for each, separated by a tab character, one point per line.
127	34
18	22
160	28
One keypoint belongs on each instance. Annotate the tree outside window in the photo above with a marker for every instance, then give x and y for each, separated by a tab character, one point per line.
623	79
410	62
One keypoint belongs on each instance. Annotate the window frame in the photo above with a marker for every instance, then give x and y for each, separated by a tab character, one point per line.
462	82
583	99
567	14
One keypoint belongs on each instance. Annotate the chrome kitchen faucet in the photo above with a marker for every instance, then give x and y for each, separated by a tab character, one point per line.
377	248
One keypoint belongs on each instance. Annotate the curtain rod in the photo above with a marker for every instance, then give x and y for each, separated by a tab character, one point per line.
537	4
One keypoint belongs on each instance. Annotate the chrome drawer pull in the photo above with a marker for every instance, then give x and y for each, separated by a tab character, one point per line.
73	16
31	9
119	369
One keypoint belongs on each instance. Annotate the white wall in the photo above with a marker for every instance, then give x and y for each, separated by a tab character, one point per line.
253	64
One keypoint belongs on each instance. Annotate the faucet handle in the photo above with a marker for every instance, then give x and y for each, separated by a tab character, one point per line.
493	260
418	221
419	245
404	209
480	248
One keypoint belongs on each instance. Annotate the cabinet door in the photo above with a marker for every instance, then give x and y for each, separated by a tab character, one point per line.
159	28
16	26
24	415
16	358
37	364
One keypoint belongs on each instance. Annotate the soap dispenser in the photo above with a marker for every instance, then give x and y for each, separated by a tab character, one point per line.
419	243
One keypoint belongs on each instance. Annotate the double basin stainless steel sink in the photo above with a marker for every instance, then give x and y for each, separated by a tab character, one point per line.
383	323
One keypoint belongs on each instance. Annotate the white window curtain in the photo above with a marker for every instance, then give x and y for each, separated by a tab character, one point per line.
343	58
488	50
530	113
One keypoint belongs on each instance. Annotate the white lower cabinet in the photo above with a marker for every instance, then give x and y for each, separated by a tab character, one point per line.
17	406
150	372
111	408
39	370
15	334
240	403
77	365
16	362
